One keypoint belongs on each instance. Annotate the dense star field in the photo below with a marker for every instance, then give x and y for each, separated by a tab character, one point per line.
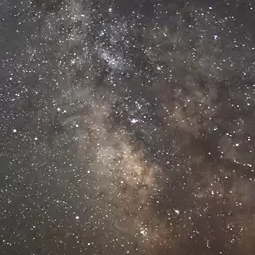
127	127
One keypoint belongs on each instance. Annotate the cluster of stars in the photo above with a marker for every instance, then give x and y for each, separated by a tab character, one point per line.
126	128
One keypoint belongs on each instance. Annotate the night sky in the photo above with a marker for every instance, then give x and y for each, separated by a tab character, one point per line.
127	127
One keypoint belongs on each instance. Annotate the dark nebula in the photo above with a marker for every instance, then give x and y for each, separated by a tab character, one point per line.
127	127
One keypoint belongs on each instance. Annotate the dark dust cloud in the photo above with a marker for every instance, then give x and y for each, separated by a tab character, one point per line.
127	127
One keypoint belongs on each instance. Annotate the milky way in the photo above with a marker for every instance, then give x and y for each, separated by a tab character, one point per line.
127	127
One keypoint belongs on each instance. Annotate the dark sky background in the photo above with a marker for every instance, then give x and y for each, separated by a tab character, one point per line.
127	127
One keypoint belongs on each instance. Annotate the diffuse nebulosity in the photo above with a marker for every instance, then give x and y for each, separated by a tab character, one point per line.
127	127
